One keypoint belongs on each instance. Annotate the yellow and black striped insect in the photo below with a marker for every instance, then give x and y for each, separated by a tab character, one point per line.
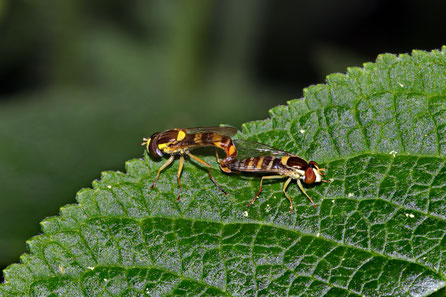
180	141
260	158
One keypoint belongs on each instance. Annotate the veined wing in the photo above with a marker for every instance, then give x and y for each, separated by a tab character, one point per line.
221	130
247	149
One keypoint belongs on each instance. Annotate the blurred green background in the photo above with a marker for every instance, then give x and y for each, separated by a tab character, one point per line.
81	82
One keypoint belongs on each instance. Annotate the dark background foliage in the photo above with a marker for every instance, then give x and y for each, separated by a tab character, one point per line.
81	82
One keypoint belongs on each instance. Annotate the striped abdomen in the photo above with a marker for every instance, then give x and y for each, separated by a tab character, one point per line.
209	139
257	164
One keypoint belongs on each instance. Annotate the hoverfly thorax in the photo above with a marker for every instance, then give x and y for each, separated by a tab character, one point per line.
296	162
295	166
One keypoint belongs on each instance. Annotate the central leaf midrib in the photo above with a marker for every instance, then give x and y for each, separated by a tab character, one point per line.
180	276
259	225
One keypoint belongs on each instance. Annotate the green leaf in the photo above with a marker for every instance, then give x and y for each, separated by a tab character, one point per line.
379	228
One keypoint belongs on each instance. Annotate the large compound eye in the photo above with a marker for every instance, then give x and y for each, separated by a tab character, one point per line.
310	176
153	147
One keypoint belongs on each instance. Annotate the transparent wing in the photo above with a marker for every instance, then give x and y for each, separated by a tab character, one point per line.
248	149
221	130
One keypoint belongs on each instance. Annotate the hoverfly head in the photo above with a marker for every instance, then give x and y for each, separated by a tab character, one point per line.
152	146
313	173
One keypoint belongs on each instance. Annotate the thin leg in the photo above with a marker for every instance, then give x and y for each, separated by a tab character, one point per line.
168	162
303	190
260	188
216	155
284	191
202	162
180	168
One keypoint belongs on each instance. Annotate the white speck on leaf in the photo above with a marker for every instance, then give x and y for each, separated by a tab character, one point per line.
393	153
268	208
109	186
302	131
245	214
350	195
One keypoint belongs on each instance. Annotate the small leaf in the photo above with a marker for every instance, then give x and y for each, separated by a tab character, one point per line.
379	228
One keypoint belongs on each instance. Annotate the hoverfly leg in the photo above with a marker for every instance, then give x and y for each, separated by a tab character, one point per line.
180	168
260	188
284	191
202	162
216	155
168	162
303	191
258	193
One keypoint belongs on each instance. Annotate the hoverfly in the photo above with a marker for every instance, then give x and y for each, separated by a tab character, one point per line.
260	158
180	141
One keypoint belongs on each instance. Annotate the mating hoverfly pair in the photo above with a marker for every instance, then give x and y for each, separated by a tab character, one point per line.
241	156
